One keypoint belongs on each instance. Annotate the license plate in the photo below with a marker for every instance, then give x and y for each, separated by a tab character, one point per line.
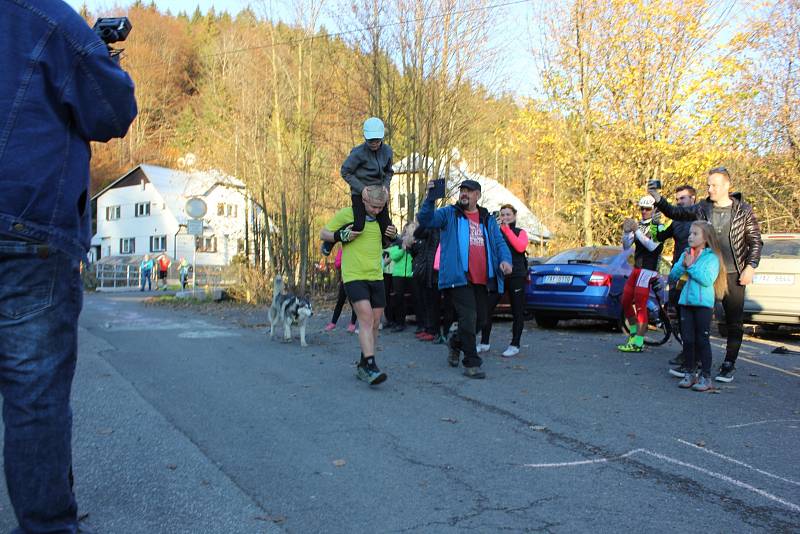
557	279
774	279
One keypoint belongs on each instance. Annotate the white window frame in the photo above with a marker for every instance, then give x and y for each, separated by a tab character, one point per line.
113	212
206	243
131	245
162	246
142	209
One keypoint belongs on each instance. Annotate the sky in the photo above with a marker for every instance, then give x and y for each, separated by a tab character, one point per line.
516	70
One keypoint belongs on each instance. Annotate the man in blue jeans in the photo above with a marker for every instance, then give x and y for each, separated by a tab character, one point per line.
59	90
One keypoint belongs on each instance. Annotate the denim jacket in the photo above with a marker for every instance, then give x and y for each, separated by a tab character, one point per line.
59	90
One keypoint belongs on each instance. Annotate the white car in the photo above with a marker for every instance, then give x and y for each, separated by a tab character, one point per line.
774	296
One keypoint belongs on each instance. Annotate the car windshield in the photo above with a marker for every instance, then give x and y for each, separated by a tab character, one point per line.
585	255
781	248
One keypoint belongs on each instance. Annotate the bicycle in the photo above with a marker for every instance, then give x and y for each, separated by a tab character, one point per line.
661	323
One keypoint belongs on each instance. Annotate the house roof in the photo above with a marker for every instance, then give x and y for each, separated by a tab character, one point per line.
175	186
493	193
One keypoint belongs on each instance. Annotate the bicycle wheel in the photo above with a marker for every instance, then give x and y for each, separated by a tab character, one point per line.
658	331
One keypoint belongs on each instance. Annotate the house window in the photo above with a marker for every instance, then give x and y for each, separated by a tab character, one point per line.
112	213
206	243
158	243
142	209
227	210
127	245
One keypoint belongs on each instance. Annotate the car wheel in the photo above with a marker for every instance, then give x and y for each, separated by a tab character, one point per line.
546	321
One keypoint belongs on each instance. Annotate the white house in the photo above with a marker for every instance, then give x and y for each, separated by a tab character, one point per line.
143	212
493	194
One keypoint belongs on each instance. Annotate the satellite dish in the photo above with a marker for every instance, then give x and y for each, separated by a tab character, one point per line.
196	208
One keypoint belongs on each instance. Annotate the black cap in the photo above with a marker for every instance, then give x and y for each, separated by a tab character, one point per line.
472	185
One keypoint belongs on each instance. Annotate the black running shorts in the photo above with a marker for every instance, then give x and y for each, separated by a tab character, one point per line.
371	290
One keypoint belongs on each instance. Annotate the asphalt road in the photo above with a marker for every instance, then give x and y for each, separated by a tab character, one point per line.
190	423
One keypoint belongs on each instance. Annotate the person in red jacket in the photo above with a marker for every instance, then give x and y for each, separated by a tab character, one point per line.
517	241
163	268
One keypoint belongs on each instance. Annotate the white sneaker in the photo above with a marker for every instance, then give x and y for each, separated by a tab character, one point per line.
511	351
482	348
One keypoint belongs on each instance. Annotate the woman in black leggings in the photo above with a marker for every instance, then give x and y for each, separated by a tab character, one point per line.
517	241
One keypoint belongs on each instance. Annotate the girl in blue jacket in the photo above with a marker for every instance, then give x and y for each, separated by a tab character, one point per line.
705	281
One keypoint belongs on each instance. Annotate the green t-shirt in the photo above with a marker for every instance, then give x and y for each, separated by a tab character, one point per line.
362	257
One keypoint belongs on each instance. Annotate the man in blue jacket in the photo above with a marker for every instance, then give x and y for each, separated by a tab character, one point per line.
59	90
472	252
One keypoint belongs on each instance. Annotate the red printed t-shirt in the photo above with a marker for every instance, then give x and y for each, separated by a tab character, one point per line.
477	250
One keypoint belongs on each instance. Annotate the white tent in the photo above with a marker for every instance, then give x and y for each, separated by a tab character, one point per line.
493	194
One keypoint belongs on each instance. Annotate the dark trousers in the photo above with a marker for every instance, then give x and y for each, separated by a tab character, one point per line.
360	215
448	312
733	304
420	306
471	304
400	285
674	296
515	287
41	296
433	304
387	287
695	324
340	300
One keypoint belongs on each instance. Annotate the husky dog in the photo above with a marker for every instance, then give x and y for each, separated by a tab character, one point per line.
288	309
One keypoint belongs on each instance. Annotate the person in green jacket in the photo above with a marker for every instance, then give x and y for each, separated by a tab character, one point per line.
402	275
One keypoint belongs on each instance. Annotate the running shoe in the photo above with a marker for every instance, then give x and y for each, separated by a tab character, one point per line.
483	347
688	380
630	347
511	351
703	384
330	326
371	375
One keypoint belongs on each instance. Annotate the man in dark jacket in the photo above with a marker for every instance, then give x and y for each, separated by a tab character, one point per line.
678	231
474	258
740	239
59	90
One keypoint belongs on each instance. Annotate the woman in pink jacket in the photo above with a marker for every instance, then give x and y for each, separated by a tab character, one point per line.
517	241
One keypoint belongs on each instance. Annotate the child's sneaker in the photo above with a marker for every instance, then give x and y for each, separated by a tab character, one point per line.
351	328
688	380
326	248
703	384
330	326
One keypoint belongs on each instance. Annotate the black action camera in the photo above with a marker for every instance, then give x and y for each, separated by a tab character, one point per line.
112	30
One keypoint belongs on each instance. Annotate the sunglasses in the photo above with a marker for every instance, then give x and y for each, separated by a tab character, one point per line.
646	209
373	141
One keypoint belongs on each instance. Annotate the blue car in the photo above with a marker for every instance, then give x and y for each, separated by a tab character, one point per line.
583	283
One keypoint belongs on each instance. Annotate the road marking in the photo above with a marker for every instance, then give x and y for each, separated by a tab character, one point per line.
765	421
665	458
784	371
737	462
